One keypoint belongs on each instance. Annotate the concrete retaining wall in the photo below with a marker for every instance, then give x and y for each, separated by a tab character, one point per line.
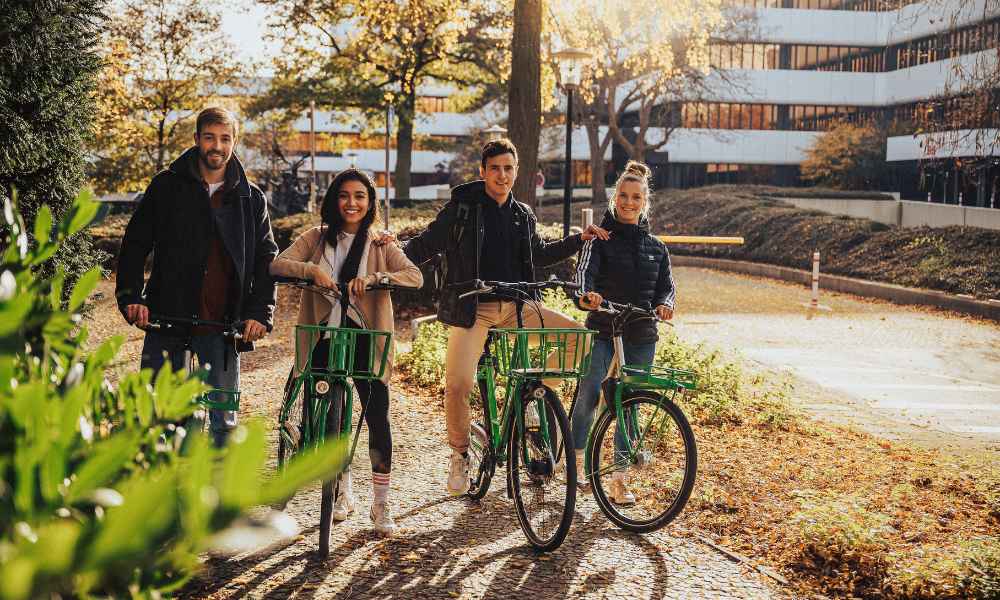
848	285
903	213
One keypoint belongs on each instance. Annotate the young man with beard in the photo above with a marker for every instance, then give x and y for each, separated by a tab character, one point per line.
210	235
485	234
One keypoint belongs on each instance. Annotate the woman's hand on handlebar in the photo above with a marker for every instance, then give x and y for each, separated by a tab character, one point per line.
323	279
664	312
356	287
591	301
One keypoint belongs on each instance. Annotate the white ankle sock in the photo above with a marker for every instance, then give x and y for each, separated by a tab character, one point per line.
380	487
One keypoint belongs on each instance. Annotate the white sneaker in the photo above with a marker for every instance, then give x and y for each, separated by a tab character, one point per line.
381	518
620	494
345	504
581	477
458	474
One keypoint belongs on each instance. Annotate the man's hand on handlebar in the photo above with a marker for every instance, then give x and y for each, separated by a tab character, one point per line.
138	315
664	312
591	301
253	331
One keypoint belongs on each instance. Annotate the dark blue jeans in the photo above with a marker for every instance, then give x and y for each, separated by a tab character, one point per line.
214	353
589	392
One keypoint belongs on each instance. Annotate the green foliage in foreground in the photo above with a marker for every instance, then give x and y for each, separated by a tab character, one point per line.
95	497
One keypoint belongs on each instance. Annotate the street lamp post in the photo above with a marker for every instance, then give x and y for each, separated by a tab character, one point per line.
494	133
571	62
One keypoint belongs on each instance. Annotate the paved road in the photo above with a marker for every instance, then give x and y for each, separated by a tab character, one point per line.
446	548
900	370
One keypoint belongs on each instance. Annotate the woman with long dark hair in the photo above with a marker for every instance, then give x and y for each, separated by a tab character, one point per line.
340	254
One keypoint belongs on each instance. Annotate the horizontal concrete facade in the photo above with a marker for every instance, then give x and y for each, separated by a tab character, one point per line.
848	285
904	213
944	144
840	88
860	28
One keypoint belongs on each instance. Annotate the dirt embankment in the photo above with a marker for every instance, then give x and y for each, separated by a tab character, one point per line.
959	260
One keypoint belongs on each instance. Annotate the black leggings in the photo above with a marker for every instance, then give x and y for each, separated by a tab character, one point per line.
374	396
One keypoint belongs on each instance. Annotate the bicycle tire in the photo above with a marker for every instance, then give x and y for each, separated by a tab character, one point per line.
598	442
518	442
333	426
481	461
290	421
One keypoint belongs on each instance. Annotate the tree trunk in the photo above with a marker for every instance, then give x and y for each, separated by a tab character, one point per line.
598	194
524	96
404	147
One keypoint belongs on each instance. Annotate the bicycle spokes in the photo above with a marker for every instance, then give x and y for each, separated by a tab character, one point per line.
544	491
644	461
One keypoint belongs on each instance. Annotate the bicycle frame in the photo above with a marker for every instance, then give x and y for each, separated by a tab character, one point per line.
625	379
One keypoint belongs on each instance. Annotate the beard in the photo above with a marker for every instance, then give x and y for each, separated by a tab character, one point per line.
213	160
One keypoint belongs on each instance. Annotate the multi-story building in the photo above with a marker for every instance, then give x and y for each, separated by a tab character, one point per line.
811	63
343	140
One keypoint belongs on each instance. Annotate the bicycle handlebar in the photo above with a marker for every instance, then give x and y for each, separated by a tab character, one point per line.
232	329
488	287
307	284
628	310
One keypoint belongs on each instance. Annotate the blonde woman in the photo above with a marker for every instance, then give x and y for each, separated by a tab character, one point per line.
340	254
632	267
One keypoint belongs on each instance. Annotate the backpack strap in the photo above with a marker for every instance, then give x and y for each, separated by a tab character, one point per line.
458	227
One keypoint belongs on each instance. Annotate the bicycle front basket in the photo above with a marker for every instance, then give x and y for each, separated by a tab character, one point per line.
545	353
220	399
343	358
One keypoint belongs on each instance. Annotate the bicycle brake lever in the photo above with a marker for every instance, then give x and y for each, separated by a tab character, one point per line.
482	290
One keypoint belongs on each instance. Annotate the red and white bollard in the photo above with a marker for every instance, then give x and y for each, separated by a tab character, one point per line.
587	217
814	303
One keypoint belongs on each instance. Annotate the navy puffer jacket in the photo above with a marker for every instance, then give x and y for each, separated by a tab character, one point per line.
633	267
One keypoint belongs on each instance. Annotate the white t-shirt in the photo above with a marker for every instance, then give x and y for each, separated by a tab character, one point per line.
212	187
335	256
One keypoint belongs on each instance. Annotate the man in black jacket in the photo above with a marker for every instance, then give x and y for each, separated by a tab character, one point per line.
210	235
485	234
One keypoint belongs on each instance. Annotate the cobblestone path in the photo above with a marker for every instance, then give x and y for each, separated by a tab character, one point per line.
455	548
444	547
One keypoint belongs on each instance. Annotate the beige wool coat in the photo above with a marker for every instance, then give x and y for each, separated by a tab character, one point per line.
385	261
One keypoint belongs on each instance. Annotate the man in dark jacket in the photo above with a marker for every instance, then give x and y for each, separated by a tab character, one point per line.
485	234
210	235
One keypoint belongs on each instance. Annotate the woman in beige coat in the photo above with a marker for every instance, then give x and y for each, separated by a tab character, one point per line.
340	254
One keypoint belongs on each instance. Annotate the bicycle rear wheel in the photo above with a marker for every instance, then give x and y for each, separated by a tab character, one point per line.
544	495
291	421
654	458
334	425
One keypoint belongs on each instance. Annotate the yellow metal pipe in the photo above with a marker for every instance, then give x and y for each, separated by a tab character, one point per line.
700	239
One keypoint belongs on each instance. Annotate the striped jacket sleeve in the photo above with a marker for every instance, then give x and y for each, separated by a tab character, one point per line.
665	290
587	269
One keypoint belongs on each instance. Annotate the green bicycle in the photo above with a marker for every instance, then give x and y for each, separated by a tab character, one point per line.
215	398
641	438
319	400
528	433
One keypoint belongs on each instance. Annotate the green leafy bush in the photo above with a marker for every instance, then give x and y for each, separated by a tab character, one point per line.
96	498
423	365
719	396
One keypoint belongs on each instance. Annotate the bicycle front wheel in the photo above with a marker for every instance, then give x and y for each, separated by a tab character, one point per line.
544	491
333	426
643	470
